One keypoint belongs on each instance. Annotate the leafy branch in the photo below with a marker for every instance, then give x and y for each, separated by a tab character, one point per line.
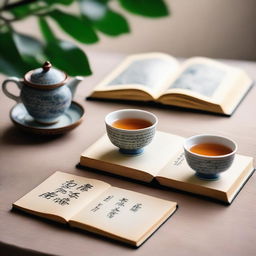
20	52
8	6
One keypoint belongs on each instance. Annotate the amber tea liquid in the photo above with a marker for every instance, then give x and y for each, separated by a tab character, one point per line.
131	123
210	149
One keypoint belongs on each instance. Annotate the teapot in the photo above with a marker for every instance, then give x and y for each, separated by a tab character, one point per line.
46	92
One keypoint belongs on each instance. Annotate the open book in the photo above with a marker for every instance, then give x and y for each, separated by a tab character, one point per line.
199	83
97	207
164	161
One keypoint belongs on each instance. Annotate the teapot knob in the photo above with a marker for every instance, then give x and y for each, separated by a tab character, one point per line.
47	65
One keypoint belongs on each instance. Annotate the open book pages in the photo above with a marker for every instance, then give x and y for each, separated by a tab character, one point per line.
177	174
97	207
103	155
61	196
146	72
199	83
164	161
124	215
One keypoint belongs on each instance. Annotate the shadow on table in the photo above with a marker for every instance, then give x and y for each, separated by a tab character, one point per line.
14	136
12	250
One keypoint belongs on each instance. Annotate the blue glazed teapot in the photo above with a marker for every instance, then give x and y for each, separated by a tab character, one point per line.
45	92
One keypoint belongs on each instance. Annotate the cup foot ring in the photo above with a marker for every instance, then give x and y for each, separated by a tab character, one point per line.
131	151
209	177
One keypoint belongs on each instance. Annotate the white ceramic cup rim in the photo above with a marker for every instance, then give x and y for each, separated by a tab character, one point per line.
195	137
109	121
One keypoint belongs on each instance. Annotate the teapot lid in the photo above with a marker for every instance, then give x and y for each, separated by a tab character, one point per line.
45	77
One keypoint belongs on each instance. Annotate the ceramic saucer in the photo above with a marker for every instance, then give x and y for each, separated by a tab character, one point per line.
68	121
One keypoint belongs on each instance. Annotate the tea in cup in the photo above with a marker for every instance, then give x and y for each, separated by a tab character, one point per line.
131	129
209	155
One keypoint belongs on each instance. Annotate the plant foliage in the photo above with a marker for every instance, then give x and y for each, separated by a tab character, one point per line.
20	52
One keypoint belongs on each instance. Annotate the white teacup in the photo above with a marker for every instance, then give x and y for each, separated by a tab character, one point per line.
209	166
131	141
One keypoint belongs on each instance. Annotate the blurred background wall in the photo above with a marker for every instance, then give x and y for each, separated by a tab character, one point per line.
213	28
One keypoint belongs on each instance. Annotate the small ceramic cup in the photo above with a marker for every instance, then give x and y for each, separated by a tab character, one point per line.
209	167
130	141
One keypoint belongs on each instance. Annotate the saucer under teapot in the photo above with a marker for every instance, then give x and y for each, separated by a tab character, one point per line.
46	92
71	118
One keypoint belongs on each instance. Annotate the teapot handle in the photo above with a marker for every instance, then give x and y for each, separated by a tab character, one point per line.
7	93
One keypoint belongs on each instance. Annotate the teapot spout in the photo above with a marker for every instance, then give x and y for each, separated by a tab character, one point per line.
72	84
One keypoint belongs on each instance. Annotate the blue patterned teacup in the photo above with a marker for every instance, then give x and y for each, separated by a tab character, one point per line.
131	141
209	166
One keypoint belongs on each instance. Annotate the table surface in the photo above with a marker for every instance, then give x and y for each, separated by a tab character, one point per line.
199	227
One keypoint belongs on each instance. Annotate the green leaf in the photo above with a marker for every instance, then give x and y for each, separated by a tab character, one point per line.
28	9
105	20
112	24
79	29
68	57
64	2
21	11
11	62
29	48
148	8
63	54
46	31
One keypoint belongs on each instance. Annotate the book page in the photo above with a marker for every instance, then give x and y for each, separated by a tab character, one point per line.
125	215
205	79
147	72
62	194
177	170
103	155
